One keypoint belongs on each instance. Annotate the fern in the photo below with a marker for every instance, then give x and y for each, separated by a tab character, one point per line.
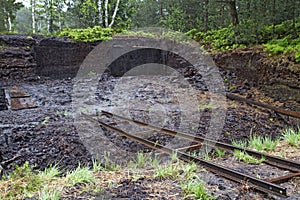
95	34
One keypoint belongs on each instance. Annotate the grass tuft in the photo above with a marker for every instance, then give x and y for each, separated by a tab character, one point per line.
80	175
243	156
292	136
195	189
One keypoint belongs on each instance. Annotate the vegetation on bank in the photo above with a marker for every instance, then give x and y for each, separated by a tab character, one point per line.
53	183
95	34
276	39
290	138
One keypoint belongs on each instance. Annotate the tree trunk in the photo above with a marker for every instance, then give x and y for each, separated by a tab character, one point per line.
294	33
256	23
51	17
233	13
205	17
9	22
115	13
161	12
106	13
222	16
33	16
100	13
273	17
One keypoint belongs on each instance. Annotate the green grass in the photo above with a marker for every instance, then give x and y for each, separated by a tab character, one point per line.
220	152
256	142
49	194
54	184
167	171
241	143
270	144
195	189
143	160
243	156
109	165
291	136
80	175
50	173
24	182
189	170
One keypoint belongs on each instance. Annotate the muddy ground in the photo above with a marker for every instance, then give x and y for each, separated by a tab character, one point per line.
47	134
53	133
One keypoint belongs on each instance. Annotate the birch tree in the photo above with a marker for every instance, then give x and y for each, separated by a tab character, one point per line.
32	3
106	12
114	14
100	14
8	12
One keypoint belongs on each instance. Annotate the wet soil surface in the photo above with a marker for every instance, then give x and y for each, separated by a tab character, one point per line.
47	134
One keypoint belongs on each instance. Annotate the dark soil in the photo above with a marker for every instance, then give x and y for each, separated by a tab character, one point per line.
47	134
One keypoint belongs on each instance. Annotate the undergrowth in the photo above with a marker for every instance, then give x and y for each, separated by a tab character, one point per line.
95	34
24	182
278	39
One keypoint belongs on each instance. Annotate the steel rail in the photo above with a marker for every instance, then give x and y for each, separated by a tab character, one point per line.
283	179
271	160
233	175
276	109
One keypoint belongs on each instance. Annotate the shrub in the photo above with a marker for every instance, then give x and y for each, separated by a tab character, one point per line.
95	34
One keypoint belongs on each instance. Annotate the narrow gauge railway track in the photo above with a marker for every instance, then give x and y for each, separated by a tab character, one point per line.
267	186
262	105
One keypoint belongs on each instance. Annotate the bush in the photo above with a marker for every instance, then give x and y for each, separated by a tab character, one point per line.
95	34
222	39
284	46
276	39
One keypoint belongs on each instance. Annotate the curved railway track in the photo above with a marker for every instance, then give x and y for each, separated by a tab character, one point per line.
267	186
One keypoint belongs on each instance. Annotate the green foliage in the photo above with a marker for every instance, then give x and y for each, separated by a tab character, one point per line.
243	156
109	165
167	171
220	152
95	34
194	188
25	183
221	39
292	136
143	160
49	194
159	34
49	173
297	56
256	142
278	31
269	144
278	38
80	175
284	46
241	144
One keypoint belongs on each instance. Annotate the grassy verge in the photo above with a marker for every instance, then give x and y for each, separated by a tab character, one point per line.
53	184
290	138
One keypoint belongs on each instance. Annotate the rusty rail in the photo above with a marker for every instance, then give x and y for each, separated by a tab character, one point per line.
276	109
233	175
272	160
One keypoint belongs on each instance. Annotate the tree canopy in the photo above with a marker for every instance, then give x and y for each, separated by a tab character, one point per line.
223	23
